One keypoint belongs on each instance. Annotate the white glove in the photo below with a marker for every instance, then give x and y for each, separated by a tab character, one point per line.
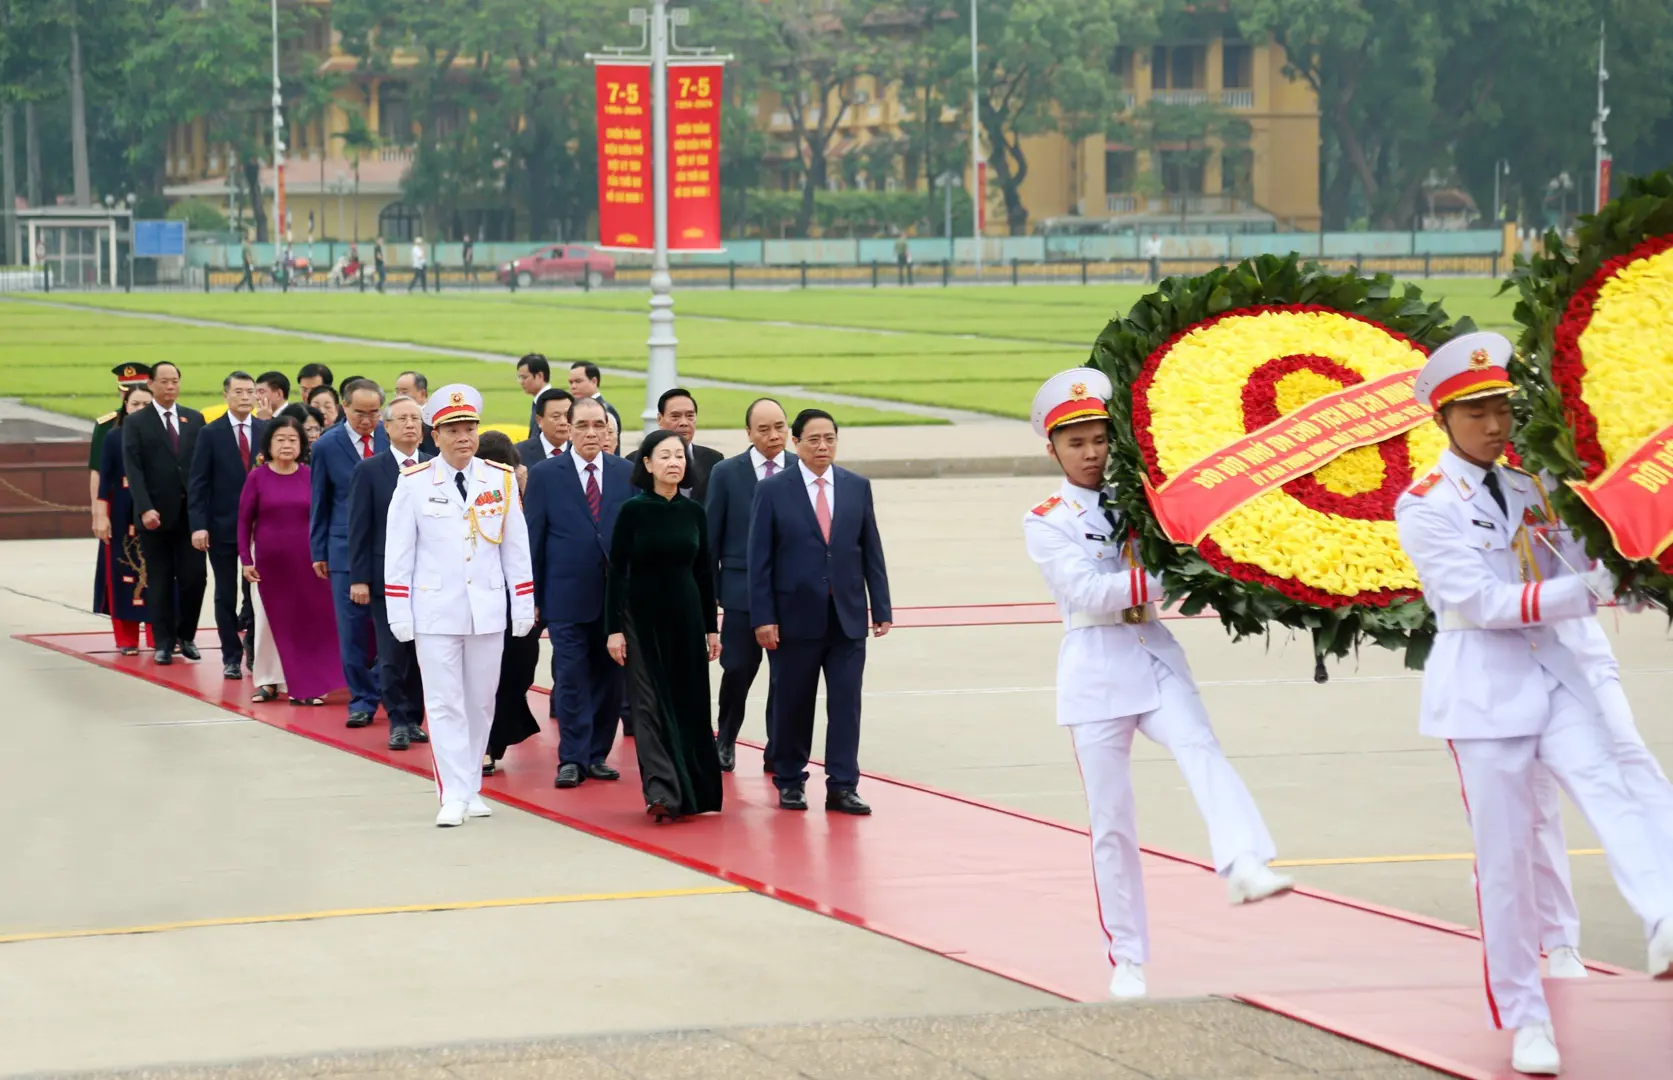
521	627
1601	581
401	631
1154	587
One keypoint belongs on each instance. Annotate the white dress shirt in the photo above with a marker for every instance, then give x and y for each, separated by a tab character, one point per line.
244	427
554	451
167	413
402	459
758	461
808	478
418	256
581	470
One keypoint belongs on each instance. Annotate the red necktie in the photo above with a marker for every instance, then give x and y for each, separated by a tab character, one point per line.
243	447
595	497
173	432
408	463
822	509
367	440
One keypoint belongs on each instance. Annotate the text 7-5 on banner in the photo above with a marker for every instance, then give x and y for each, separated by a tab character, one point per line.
625	211
694	156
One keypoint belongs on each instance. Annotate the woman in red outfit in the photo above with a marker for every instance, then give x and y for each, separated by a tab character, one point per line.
123	594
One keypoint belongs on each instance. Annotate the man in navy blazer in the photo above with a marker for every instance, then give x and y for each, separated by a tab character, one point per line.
814	554
731	495
370	489
571	506
333	459
221	461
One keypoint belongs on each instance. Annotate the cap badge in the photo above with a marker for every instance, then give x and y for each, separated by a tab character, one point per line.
1480	359
128	372
1077	391
459	398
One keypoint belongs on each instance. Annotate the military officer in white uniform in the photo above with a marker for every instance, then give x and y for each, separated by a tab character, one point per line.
1506	692
455	546
1119	671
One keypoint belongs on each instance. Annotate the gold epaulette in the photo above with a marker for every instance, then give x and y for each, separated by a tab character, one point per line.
412	470
498	465
1046	507
106	418
1421	488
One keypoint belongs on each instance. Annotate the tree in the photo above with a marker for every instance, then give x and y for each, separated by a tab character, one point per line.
78	114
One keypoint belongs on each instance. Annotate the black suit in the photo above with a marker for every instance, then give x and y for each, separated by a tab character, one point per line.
158	468
731	494
371	486
700	461
212	492
814	591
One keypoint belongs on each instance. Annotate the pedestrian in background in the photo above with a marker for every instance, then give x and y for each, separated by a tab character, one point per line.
247	255
378	262
467	255
420	261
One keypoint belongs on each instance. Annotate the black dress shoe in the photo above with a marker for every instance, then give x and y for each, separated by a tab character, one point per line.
417	734
399	738
793	798
845	801
233	671
163	656
190	651
360	719
568	776
728	756
603	772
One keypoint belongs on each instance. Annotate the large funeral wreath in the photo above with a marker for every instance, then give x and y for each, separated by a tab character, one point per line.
1596	357
1201	362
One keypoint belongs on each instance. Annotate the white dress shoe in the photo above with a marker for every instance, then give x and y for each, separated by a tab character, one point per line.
1564	962
1535	1051
452	813
1250	881
477	808
1661	951
1128	981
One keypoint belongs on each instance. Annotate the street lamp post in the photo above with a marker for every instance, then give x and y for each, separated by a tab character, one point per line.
976	191
278	141
1600	142
1501	168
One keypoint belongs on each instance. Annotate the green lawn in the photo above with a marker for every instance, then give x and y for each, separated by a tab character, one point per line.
972	347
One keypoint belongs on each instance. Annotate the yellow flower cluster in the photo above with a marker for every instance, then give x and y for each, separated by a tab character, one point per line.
1628	350
1196	408
1356	471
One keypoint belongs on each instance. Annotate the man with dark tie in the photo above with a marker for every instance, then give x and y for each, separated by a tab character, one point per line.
572	504
220	463
814	554
551	413
731	495
370	489
534	374
676	410
333	459
157	448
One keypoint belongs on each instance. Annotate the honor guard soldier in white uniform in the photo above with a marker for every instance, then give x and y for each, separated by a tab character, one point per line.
1506	692
1120	671
456	545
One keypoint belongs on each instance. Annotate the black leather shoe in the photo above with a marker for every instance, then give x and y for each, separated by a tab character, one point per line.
568	776
360	719
399	739
603	772
233	670
728	756
844	801
163	656
190	651
793	798
418	734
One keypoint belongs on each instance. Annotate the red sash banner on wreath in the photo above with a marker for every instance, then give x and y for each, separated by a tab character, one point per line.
1634	497
1195	499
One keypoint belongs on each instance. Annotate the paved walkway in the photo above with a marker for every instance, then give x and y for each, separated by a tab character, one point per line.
1182	1040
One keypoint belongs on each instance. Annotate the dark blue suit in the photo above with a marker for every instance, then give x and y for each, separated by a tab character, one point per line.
370	489
213	488
570	553
816	594
731	495
333	459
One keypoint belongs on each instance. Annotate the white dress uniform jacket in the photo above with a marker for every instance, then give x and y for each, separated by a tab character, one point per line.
448	561
1103	665
1485	675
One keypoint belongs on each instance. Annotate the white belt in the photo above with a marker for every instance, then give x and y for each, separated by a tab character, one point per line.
1133	616
1454	620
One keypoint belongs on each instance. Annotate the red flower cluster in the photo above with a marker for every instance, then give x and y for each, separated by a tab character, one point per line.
1568	363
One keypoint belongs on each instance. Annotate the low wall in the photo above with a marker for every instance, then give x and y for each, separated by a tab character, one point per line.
43	491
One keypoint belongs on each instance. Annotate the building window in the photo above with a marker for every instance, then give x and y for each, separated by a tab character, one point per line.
1237	67
1237	173
1182	172
1121	65
394	114
1120	168
399	223
1178	67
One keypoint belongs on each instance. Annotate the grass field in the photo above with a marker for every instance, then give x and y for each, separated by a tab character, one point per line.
976	348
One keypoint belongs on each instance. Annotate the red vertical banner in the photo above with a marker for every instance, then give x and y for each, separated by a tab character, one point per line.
694	156
625	211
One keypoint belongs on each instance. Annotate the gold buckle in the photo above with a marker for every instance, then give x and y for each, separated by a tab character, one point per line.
1134	616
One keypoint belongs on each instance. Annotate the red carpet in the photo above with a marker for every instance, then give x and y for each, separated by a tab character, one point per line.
1012	894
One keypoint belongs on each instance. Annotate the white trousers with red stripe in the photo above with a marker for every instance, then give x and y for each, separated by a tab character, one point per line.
1646	783
461	676
1104	749
1502	802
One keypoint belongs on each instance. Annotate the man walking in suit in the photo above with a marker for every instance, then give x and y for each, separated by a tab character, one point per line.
222	459
814	554
676	410
730	497
551	414
584	378
573	500
334	456
157	447
370	489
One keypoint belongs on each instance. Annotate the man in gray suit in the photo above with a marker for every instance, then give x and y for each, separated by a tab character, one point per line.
731	494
